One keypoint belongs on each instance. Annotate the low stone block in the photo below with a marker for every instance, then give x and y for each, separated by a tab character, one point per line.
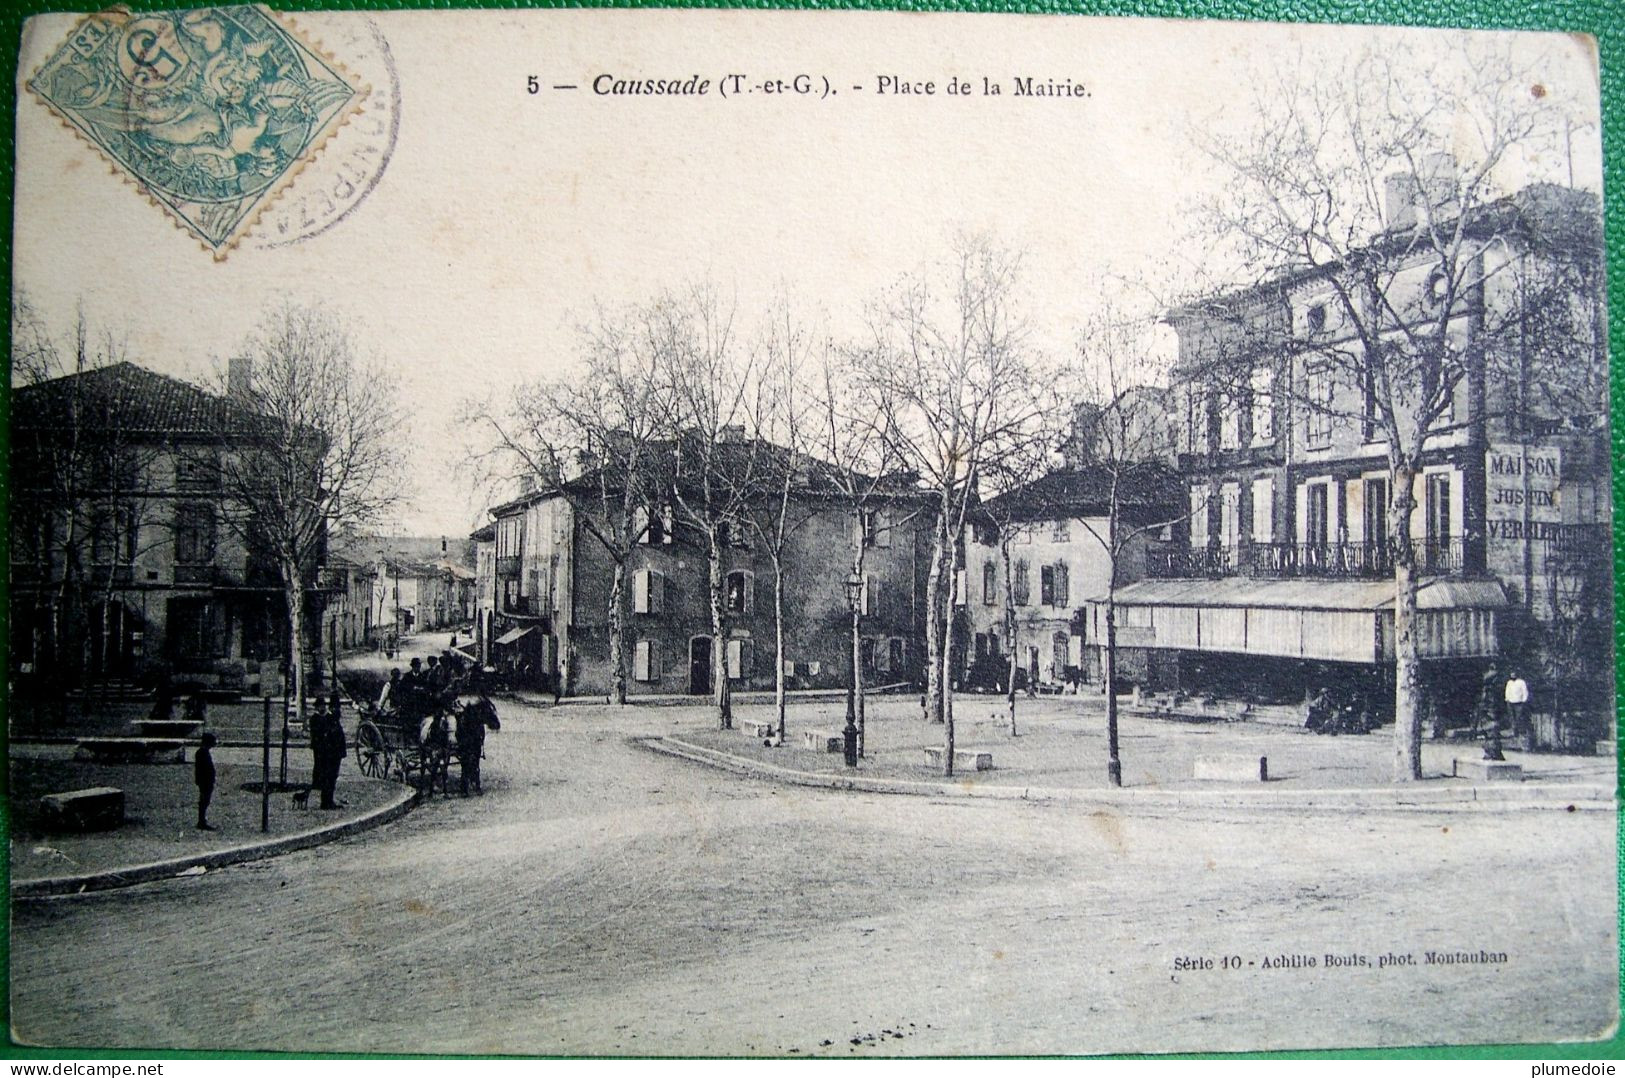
100	808
823	740
964	759
130	750
167	728
1233	768
1482	770
755	728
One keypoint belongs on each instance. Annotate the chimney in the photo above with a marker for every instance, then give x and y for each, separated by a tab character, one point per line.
1432	186
240	376
1401	190
1438	179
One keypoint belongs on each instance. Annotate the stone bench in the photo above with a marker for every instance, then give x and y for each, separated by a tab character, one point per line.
964	759
100	808
1233	768
823	740
130	750
758	727
1483	770
183	729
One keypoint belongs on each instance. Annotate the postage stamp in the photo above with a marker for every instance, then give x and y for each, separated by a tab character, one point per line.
211	111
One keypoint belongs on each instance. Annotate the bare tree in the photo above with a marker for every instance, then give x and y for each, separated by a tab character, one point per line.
84	455
1345	184
947	374
595	437
705	389
861	470
318	450
785	496
1121	439
1013	496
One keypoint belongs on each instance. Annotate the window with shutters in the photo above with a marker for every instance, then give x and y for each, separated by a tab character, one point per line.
648	592
1046	585
871	596
640	524
646	661
740	659
1022	584
737	589
194	534
1063	585
990	584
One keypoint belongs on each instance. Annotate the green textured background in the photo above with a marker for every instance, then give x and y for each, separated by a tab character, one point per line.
1602	19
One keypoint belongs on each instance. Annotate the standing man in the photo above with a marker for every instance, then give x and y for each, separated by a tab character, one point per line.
1517	699
203	775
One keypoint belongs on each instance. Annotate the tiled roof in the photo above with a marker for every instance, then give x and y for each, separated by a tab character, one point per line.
1086	490
132	400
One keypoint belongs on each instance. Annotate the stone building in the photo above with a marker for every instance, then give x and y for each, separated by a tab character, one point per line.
545	579
1282	578
123	567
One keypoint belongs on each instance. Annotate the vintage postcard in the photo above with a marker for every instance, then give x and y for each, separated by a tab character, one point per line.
807	534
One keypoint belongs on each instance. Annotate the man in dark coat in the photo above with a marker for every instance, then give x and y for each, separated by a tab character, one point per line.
474	717
203	775
327	747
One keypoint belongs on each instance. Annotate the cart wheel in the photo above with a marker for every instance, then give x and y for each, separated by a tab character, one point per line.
371	757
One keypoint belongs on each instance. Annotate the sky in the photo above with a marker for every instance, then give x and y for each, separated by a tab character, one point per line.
466	227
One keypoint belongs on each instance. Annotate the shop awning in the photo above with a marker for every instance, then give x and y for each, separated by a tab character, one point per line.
514	635
1339	620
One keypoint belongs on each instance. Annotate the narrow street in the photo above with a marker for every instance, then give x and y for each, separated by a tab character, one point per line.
604	899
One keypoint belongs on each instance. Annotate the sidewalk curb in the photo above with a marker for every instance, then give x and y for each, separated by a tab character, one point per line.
1570	797
231	855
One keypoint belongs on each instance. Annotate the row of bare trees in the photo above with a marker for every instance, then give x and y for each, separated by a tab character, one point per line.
1378	181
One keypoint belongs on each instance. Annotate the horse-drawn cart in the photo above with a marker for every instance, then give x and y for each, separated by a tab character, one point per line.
415	746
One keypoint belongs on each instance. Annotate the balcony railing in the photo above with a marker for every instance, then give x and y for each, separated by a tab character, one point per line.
1175	562
1323	561
195	574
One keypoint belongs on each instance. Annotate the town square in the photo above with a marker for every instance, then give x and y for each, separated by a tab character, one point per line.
1134	576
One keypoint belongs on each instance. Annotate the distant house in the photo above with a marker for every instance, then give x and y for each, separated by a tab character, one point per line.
1056	563
122	566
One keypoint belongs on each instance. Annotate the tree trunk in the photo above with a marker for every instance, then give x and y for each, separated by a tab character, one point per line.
858	556
778	642
294	589
719	648
1407	665
948	692
933	634
1114	762
617	636
1009	626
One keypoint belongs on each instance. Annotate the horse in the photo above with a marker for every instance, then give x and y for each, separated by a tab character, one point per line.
475	715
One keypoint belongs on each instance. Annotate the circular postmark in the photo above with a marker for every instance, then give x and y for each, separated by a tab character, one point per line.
349	168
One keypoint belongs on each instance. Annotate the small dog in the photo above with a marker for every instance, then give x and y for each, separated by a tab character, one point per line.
301	799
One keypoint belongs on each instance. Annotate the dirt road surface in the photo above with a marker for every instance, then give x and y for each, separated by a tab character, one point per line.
602	899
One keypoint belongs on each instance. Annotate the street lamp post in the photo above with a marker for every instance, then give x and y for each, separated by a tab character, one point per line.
854	599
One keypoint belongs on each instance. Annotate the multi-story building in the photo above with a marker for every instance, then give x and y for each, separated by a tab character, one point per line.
123	566
545	579
1283	576
1059	531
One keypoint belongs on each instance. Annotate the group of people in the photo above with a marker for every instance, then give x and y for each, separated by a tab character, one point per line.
448	686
